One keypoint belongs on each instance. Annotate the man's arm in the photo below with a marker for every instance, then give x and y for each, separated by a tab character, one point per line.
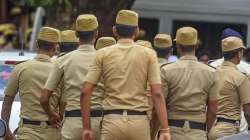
159	105
85	104
211	114
51	85
246	109
6	112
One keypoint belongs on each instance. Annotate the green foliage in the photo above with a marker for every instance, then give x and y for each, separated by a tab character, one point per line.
49	3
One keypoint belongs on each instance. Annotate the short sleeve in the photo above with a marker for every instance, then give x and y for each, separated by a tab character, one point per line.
214	90
95	68
154	70
12	86
164	82
54	78
244	91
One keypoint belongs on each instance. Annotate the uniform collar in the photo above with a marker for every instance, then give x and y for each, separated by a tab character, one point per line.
42	57
86	47
229	64
189	57
162	60
125	42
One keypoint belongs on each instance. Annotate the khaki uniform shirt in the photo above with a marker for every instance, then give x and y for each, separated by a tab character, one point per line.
28	78
125	68
72	69
162	61
234	91
187	86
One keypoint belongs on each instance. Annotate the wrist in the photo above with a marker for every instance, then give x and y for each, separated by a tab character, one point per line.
164	130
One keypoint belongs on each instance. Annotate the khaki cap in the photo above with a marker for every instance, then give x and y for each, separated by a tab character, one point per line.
127	17
49	34
232	43
105	42
186	36
163	41
86	22
144	43
69	36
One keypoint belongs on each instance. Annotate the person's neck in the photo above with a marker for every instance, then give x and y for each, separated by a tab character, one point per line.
44	53
234	61
187	53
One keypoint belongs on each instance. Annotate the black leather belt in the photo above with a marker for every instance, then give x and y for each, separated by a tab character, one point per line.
219	119
77	113
26	121
192	125
120	112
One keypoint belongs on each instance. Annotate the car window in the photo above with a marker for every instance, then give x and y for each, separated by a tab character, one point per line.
5	71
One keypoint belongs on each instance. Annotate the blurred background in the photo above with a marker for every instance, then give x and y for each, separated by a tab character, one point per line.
20	20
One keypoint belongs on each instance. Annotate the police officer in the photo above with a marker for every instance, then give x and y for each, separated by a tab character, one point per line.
126	68
103	42
190	89
68	43
71	70
163	47
233	91
28	79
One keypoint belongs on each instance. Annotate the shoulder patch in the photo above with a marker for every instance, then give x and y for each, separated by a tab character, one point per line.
166	64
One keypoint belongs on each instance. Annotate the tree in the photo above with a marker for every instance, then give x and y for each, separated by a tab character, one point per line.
62	13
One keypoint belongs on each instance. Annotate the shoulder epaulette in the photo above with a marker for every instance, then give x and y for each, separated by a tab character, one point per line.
61	55
211	66
166	64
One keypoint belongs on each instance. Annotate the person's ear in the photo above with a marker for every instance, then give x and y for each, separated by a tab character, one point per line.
77	35
136	33
115	32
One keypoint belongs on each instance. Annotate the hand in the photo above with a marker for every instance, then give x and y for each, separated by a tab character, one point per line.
87	135
165	136
9	136
55	119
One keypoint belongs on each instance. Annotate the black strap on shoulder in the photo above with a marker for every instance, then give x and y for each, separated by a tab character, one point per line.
211	66
166	64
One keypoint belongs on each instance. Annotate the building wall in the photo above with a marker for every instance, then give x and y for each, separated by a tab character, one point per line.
230	11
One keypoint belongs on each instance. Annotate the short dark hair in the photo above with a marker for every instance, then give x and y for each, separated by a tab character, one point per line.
68	46
45	45
162	52
125	31
231	54
187	48
202	53
86	35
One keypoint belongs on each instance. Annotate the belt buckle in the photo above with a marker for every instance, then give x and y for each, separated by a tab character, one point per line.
186	126
43	124
125	115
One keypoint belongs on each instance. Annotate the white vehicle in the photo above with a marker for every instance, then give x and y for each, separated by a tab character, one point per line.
7	62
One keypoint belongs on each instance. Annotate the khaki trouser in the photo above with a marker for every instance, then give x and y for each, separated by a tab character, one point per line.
222	129
72	128
185	133
38	132
124	127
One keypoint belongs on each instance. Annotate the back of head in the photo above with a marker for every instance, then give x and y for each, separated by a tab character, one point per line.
231	46
48	38
163	45
69	41
105	42
86	27
126	23
187	39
